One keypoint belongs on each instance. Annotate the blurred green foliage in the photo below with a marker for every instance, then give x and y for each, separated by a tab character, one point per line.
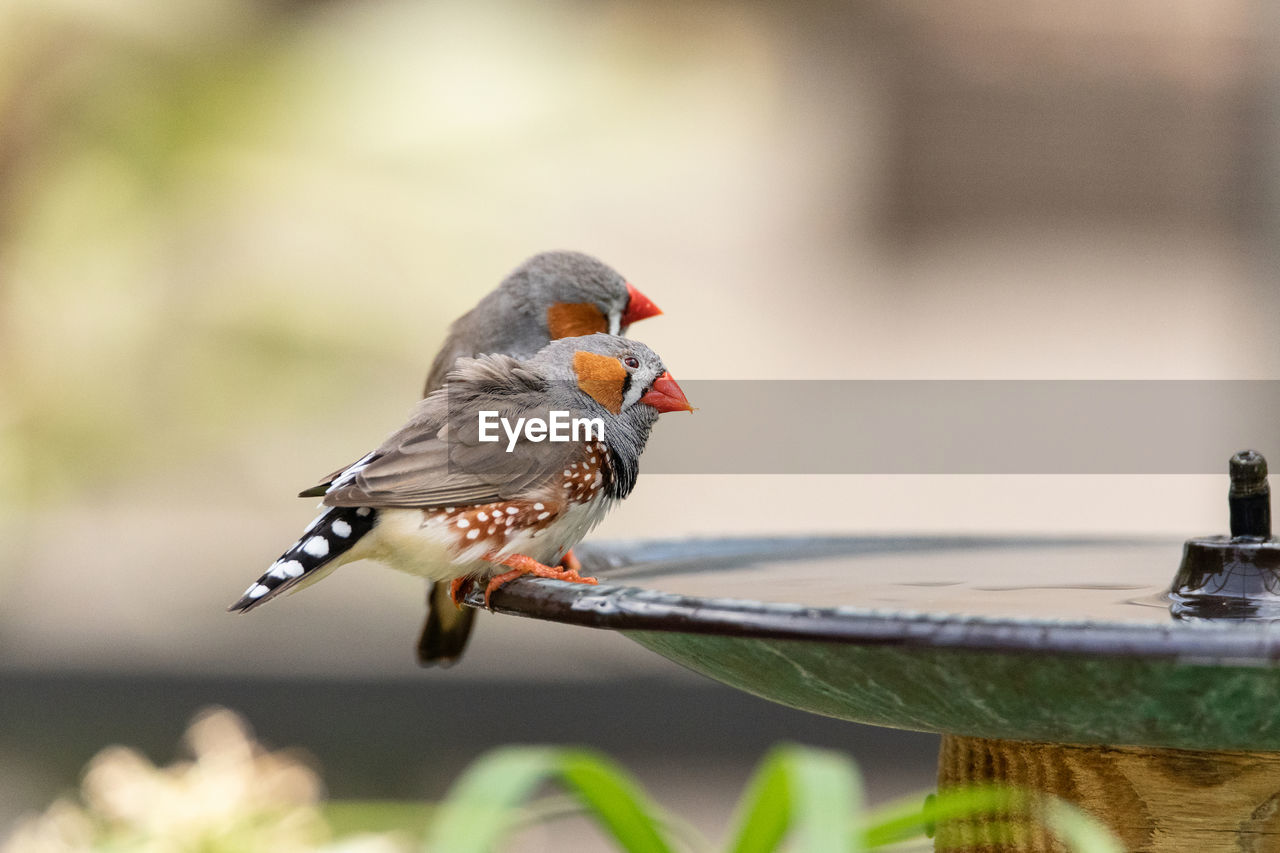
220	220
129	139
800	799
236	796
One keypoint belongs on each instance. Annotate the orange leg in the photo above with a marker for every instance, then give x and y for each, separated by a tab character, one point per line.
522	565
458	588
570	563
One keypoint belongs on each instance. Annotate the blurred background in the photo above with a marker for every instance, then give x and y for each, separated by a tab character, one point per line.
233	232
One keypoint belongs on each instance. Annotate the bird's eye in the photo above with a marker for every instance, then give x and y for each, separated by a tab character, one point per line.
631	361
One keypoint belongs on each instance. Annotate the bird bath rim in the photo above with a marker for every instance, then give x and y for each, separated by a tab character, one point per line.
619	606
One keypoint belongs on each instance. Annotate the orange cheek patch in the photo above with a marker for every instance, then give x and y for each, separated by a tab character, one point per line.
574	319
601	377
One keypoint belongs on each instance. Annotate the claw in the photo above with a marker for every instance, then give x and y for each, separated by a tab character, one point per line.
458	588
522	565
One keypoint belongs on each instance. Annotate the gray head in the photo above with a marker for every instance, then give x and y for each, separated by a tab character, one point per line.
616	373
575	294
621	381
550	296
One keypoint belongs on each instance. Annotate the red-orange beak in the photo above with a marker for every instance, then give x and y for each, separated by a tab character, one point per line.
639	307
666	396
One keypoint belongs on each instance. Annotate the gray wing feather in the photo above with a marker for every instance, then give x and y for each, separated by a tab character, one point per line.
437	459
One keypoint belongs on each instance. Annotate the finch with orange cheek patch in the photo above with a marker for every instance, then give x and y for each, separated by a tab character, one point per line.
440	500
550	296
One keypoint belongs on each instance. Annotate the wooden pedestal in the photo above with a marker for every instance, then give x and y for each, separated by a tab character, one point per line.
1156	800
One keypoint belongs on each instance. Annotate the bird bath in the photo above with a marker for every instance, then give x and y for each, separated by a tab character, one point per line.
1060	665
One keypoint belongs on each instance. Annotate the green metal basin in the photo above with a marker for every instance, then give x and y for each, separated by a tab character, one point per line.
1062	640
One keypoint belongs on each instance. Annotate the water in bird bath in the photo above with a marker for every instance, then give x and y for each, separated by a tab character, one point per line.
1122	582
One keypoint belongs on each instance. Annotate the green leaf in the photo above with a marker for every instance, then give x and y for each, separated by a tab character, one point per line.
910	819
483	805
765	809
813	793
826	801
1007	813
1077	830
617	802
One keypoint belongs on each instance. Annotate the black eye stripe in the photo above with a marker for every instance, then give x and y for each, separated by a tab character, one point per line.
626	386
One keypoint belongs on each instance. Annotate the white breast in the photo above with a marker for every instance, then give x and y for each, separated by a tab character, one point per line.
402	540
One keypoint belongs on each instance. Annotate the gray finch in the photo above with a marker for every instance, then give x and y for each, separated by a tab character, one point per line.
550	296
437	500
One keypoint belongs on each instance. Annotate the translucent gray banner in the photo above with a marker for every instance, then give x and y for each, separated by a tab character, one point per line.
965	427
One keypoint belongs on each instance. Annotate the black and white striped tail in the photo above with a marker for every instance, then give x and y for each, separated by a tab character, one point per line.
330	536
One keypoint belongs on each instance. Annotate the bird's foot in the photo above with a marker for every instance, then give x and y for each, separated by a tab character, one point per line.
571	563
459	587
521	565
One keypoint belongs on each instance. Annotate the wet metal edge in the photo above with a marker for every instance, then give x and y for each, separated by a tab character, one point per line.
625	608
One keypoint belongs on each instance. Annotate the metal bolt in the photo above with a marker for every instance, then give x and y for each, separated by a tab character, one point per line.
1250	496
